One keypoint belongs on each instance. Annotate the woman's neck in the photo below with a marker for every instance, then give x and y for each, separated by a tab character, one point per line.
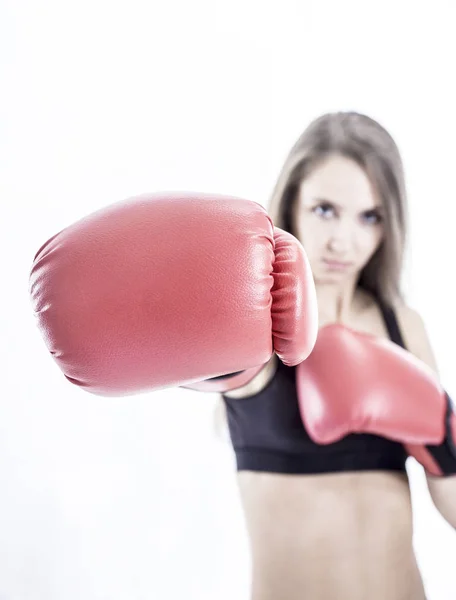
340	303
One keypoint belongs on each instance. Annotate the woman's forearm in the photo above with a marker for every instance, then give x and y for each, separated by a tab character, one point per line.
443	494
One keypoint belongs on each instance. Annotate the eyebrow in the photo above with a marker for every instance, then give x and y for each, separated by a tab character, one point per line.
321	200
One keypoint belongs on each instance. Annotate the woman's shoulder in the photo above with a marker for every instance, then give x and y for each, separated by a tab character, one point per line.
415	333
411	325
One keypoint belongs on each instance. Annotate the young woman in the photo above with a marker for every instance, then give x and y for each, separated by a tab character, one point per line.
172	289
335	521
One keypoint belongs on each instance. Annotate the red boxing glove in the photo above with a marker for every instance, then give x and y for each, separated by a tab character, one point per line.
356	383
169	289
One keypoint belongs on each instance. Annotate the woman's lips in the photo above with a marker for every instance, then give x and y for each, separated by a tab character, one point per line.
336	265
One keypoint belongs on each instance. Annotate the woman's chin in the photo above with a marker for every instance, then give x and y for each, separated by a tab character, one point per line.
330	277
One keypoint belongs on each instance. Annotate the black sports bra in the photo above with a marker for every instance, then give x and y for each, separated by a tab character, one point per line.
267	432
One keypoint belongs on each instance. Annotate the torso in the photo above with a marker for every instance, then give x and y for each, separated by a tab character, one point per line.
336	536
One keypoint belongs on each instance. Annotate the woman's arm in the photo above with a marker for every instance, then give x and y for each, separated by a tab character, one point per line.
443	494
441	489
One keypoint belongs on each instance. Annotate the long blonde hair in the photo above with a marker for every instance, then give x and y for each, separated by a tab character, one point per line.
360	138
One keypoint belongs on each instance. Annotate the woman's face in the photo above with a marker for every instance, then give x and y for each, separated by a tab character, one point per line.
339	219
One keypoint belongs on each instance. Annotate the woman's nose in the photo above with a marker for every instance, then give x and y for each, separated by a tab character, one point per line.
340	237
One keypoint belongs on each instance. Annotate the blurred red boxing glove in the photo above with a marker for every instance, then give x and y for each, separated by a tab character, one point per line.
357	383
169	289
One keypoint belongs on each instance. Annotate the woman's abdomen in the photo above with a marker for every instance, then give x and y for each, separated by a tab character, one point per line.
338	536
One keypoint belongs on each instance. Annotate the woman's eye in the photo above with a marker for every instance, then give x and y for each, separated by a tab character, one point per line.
372	218
324	210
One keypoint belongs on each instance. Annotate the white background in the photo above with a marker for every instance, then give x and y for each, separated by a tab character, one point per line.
136	499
